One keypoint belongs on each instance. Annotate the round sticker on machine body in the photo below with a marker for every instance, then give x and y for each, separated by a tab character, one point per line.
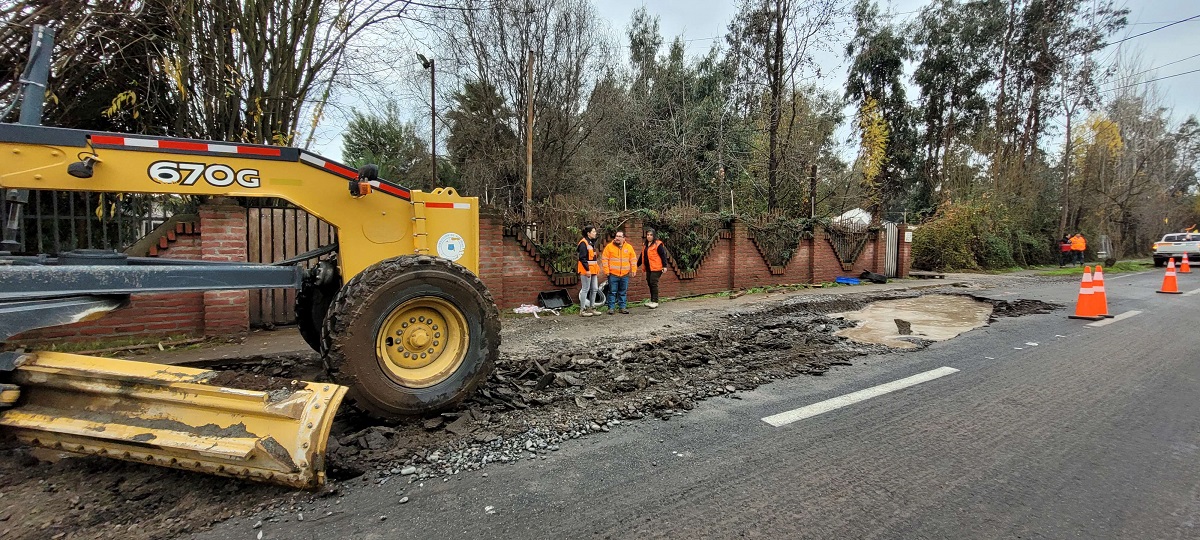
451	246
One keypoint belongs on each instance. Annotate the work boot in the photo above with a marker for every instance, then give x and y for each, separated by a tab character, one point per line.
611	311
625	311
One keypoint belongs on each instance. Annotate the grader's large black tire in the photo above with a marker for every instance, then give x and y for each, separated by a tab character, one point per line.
383	314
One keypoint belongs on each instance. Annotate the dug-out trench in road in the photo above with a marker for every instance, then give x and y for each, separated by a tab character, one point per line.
549	388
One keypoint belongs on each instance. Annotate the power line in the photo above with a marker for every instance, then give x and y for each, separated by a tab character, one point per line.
1165	65
1148	23
1148	32
1151	80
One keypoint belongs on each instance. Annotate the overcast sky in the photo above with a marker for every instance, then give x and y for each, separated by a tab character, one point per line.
701	22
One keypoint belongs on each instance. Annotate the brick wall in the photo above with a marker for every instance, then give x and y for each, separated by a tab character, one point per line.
511	271
506	264
224	239
223	223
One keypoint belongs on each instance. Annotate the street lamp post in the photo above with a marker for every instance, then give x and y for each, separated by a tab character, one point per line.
427	63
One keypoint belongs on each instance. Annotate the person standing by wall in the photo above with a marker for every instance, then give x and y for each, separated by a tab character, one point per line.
619	261
1064	251
1078	246
652	257
589	272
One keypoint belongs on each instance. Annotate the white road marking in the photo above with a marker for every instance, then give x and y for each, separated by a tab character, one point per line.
1120	317
1123	276
785	418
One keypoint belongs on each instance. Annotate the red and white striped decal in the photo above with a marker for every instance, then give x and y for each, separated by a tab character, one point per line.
328	165
186	146
390	189
456	206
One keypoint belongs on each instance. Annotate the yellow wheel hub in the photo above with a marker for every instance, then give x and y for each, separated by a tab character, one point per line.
422	342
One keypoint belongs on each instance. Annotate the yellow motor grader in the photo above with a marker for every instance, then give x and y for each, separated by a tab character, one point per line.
403	324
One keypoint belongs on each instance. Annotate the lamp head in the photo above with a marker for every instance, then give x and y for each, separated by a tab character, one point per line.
84	167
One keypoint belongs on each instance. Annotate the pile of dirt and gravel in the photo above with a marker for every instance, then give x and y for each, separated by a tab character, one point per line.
545	391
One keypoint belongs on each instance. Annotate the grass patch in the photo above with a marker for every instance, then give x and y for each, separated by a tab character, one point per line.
1119	268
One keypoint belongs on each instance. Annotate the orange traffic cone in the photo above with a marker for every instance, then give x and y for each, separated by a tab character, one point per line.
1169	285
1184	267
1098	292
1085	306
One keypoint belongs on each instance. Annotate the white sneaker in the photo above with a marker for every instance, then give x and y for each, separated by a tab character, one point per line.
651	305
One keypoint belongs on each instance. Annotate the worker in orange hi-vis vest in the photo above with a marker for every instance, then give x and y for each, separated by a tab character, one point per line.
589	272
619	262
654	254
1078	246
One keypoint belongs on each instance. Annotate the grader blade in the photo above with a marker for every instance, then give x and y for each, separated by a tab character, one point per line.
174	417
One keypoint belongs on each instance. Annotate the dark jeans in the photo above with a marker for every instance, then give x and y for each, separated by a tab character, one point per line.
1078	257
617	287
1067	257
652	281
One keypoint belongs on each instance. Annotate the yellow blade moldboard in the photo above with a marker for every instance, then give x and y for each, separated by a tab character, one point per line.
170	416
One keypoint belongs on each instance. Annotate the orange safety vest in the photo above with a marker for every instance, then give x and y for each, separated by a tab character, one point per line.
593	265
652	258
1078	243
619	261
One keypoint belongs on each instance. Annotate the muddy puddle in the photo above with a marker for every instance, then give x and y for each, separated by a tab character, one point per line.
896	323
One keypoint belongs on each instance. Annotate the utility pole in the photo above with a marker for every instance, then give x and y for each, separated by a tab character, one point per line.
35	79
529	135
428	64
812	191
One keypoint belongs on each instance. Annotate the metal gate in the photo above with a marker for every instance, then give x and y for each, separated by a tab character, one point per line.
276	234
892	253
58	221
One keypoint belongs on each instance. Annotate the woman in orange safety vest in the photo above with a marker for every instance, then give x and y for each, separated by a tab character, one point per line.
652	257
589	272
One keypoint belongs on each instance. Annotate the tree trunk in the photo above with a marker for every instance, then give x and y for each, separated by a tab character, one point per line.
775	65
1064	199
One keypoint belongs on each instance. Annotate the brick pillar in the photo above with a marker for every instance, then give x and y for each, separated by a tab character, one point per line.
904	260
635	232
741	238
812	254
879	264
491	253
223	238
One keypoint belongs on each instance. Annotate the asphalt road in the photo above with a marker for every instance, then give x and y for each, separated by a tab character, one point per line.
1091	433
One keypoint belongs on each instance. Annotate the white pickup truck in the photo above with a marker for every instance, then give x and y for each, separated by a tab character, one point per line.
1175	245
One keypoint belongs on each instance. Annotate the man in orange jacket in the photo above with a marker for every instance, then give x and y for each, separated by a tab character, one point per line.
1078	246
654	253
619	262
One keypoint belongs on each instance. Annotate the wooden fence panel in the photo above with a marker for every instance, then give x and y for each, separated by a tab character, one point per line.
277	234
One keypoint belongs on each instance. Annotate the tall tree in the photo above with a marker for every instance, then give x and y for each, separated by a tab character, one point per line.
954	42
391	143
490	41
483	145
877	54
238	70
772	41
